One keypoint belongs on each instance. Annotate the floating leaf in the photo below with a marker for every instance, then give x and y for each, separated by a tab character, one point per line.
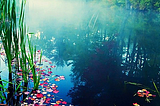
64	102
58	101
50	62
56	79
44	92
56	105
49	95
49	90
39	95
49	72
62	77
48	100
136	104
26	92
53	66
55	91
38	91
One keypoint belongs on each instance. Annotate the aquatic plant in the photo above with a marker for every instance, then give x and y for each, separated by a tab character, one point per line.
13	35
31	59
7	32
156	88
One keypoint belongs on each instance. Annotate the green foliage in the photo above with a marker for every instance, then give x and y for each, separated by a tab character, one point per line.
135	4
14	38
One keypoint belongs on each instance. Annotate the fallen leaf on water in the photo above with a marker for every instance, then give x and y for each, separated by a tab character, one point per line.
62	77
49	90
41	101
48	100
53	66
39	95
49	72
44	92
55	91
49	95
50	62
26	92
64	102
58	101
56	79
136	104
56	105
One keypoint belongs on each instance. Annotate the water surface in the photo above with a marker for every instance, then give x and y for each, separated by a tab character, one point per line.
98	49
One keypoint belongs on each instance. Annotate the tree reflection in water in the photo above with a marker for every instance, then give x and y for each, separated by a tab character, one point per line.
121	46
101	81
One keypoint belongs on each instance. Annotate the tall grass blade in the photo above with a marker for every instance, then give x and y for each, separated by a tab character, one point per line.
156	88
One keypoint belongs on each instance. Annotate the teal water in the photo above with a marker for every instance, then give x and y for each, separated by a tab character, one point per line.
100	50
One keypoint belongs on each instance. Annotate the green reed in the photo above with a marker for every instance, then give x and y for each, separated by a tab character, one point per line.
7	31
14	36
31	58
156	88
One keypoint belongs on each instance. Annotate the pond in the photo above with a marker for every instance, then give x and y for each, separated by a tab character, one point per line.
104	47
109	56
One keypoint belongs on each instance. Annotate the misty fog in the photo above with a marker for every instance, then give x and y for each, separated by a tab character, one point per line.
59	13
